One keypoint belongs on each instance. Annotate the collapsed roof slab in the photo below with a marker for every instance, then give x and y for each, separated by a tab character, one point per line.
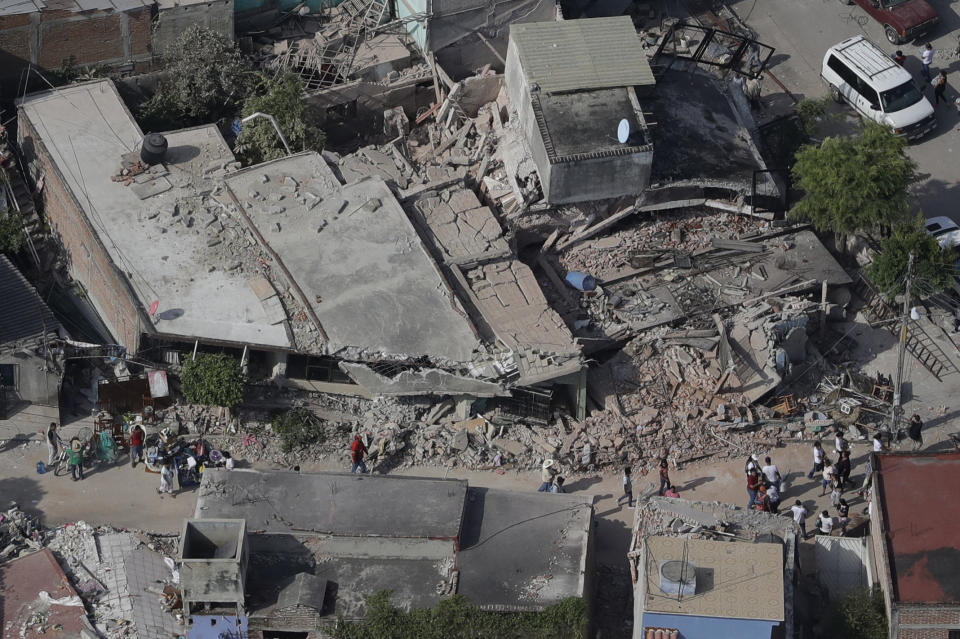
358	260
429	381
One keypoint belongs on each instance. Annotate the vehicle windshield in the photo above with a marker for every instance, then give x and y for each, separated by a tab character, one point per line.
901	97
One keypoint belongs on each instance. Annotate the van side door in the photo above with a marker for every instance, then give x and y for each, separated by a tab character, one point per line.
850	81
869	104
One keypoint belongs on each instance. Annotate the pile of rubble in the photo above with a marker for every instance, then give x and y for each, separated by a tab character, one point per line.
20	534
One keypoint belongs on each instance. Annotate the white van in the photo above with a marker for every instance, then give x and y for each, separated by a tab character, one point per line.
862	75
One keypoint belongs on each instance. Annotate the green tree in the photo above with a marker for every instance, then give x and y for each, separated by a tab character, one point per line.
933	268
283	99
206	79
456	618
855	183
11	230
213	379
298	428
859	614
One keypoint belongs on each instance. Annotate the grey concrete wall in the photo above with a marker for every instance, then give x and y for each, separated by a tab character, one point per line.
518	89
35	385
597	178
217	15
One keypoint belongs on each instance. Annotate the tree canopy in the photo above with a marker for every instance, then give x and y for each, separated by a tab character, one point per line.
283	99
933	268
855	183
206	79
214	379
11	231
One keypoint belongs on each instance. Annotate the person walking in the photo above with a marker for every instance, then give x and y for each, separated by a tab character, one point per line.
939	86
825	523
868	476
664	476
843	513
357	450
916	426
877	443
136	445
926	59
771	473
818	455
753	486
842	470
839	444
627	488
751	463
53	443
557	485
547	473
800	516
771	499
829	473
75	458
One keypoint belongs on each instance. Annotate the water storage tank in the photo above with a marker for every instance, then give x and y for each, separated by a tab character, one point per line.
153	149
678	578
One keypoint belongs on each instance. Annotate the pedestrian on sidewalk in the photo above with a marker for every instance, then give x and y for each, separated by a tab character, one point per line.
664	476
53	443
75	457
753	486
835	495
771	499
357	450
939	86
800	516
818	455
547	473
627	488
842	471
136	445
772	473
828	475
825	523
843	513
557	485
926	59
166	477
915	431
839	444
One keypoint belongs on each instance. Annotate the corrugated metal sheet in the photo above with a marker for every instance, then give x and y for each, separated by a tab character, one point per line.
22	313
16	7
582	54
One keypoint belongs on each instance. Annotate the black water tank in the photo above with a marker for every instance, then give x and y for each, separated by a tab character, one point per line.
153	149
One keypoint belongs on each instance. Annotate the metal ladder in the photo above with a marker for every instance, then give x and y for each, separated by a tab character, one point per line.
919	343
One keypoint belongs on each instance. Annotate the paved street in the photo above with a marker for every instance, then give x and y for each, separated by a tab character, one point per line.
802	30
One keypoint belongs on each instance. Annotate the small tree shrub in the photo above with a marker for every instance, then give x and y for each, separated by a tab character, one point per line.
283	99
859	614
213	379
933	268
298	428
11	231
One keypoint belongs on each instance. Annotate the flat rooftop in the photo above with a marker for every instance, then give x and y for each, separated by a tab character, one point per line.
358	259
734	579
158	231
920	525
23	579
586	123
523	550
334	503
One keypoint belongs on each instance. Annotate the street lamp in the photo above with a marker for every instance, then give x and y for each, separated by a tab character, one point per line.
273	121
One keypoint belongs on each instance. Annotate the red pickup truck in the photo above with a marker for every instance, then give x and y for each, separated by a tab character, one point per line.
902	20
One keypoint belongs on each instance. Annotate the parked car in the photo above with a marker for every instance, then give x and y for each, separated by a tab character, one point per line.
859	73
945	230
902	20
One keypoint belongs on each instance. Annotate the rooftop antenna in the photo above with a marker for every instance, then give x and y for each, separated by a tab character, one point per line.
623	131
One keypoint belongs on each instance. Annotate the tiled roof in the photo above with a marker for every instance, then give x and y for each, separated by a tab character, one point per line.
22	313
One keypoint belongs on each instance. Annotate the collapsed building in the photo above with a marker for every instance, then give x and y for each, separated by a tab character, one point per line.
294	552
284	265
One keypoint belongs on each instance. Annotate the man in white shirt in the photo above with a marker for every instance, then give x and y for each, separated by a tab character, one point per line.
877	443
839	444
771	473
926	58
800	516
818	455
825	523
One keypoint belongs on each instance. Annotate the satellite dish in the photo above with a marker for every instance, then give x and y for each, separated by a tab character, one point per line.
623	131
154	307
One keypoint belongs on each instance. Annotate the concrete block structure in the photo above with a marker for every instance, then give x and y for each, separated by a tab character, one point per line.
213	563
320	542
572	83
915	550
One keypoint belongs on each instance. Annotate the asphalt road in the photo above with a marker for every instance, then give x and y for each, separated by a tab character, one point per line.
801	31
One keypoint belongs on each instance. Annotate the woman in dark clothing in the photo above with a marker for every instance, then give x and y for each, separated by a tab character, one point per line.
843	470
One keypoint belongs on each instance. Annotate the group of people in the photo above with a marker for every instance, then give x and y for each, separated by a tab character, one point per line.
764	484
667	489
939	83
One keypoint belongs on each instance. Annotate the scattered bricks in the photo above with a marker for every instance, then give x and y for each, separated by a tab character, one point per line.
515	448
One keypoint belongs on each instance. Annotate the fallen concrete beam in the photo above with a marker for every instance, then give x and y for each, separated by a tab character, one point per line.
427	381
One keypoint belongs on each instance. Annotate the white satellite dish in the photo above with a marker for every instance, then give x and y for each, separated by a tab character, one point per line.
623	131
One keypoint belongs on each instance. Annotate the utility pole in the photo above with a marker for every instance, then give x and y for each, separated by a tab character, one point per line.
897	410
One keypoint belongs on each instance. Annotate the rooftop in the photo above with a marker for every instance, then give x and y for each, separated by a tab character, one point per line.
23	313
586	123
733	579
921	532
582	54
15	7
159	226
334	503
358	259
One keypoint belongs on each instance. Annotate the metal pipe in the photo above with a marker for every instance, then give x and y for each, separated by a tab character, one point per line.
276	126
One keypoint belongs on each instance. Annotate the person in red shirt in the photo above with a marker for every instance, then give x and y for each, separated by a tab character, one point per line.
357	451
136	445
664	476
753	485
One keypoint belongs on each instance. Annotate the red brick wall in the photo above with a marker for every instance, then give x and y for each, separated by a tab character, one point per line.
922	633
934	615
88	260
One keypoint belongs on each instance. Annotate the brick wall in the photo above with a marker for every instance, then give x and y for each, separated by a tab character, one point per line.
930	615
86	256
922	633
48	38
